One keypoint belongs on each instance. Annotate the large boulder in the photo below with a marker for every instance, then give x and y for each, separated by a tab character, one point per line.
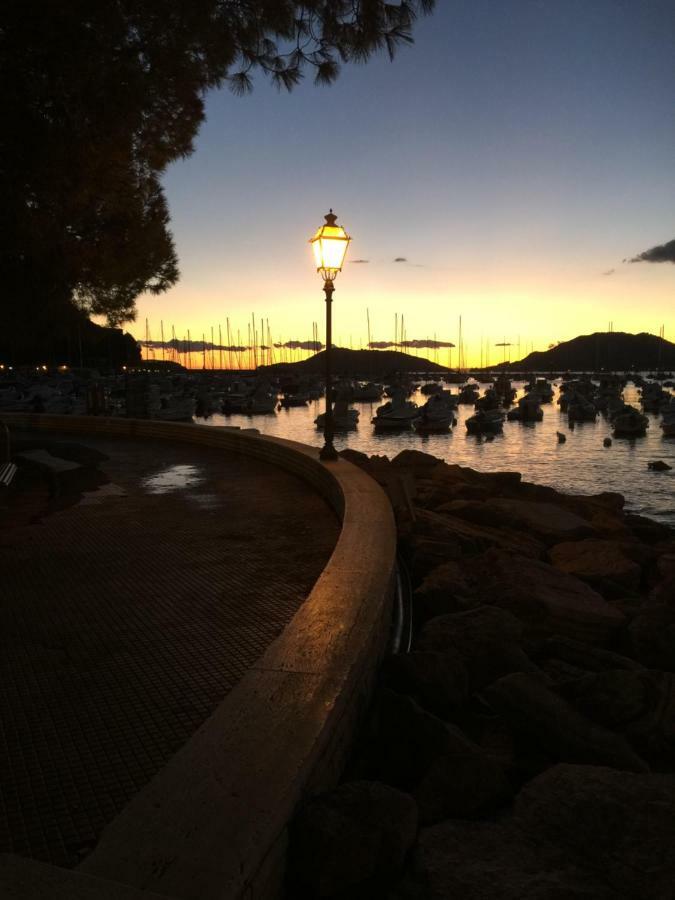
547	521
563	658
474	538
547	600
424	554
602	564
638	703
447	773
651	637
351	842
486	640
444	590
617	824
437	681
540	717
495	861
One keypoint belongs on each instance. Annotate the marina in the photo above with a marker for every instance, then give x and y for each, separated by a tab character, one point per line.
582	464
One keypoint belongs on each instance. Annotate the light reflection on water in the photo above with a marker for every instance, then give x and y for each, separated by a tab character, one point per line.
173	478
580	465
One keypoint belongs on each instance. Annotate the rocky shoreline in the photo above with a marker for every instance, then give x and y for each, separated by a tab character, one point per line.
525	747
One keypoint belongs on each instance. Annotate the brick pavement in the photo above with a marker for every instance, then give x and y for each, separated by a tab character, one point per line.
126	617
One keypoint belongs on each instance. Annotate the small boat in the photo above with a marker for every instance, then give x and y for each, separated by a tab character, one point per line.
432	387
437	414
580	409
489	400
397	413
468	394
668	423
630	423
289	400
528	410
504	390
541	388
366	393
344	418
485	421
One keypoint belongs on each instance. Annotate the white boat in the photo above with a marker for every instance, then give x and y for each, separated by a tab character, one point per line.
668	423
528	410
437	414
366	393
630	423
397	413
344	418
485	420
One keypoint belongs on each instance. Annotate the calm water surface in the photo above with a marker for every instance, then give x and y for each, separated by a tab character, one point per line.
580	465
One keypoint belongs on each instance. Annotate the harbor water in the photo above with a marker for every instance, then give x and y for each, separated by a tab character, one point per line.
579	465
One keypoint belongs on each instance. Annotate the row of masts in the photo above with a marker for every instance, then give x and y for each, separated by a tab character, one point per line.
260	349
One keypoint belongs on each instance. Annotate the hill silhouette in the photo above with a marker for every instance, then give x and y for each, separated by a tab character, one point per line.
367	363
617	350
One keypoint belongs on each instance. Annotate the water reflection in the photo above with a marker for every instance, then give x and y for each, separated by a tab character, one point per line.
173	478
580	465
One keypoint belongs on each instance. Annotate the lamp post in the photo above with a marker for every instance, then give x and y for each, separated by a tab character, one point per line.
330	248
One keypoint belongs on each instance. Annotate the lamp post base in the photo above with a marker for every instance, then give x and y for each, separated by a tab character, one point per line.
328	453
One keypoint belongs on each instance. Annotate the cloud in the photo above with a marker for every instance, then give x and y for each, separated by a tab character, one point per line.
300	345
423	344
658	254
190	346
359	261
609	272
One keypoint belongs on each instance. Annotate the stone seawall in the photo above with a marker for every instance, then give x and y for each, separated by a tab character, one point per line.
213	823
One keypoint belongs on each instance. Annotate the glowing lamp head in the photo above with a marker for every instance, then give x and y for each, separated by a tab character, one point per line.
330	247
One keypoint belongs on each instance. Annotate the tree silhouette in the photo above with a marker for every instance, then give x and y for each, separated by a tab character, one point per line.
98	98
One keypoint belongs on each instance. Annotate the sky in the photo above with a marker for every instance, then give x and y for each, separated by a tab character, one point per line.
514	157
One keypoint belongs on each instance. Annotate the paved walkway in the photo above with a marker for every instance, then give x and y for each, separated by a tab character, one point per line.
127	616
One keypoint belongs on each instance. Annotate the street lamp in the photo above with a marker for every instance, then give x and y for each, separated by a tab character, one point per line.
330	248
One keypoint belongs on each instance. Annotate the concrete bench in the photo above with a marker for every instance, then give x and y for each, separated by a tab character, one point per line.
7	473
56	468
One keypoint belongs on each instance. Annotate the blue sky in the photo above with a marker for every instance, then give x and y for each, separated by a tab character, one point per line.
515	153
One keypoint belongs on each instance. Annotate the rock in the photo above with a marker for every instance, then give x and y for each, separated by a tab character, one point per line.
607	524
582	657
437	681
462	783
617	824
548	521
447	773
607	442
474	539
613	698
639	704
496	861
485	639
355	457
664	592
561	437
647	530
444	590
546	599
602	564
538	715
665	564
351	839
415	459
658	465
459	491
651	637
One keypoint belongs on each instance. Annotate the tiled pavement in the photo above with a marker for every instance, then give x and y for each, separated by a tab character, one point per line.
126	617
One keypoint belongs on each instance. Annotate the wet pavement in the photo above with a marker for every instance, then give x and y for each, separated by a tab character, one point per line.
127	612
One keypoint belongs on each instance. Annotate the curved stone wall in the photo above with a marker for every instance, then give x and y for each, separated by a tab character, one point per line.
213	822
